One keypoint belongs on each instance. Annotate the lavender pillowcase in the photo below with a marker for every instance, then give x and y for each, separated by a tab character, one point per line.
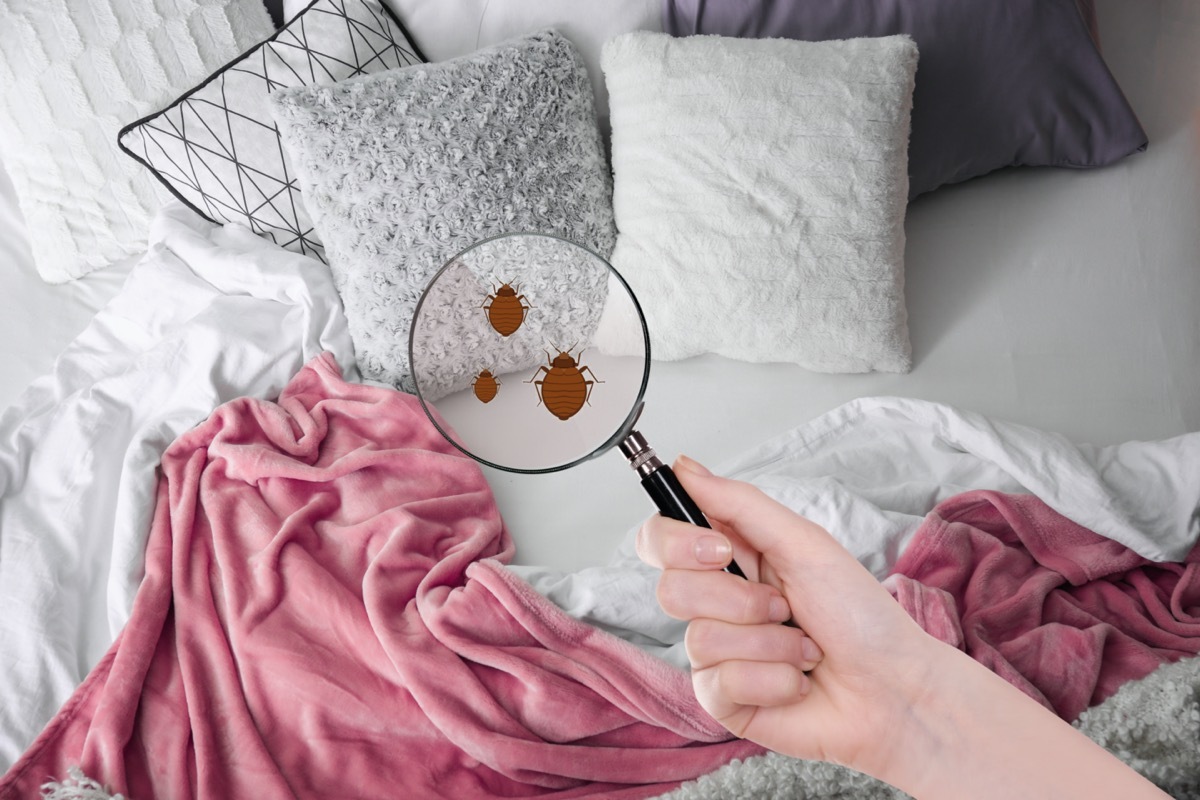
999	84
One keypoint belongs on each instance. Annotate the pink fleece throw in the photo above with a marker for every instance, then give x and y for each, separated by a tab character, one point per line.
324	615
1059	611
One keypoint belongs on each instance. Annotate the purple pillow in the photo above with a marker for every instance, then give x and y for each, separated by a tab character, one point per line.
998	84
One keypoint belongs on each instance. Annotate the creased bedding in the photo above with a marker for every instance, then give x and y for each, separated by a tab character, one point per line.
323	616
207	315
1063	614
870	470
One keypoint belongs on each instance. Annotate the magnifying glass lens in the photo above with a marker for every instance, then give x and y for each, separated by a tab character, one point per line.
503	348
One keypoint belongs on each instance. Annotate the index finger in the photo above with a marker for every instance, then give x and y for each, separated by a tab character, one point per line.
671	544
765	524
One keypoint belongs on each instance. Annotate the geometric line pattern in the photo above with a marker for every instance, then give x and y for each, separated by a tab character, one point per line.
217	149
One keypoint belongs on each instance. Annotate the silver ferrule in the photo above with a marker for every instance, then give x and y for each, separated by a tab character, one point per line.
642	458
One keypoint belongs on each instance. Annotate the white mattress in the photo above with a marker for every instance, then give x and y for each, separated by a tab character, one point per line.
1058	299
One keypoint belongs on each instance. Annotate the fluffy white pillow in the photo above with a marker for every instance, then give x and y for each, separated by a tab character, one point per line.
760	188
72	72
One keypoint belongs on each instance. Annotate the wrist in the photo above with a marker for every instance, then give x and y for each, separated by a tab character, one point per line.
924	720
934	723
969	733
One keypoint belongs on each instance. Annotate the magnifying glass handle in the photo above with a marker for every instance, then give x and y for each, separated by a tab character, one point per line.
664	488
669	495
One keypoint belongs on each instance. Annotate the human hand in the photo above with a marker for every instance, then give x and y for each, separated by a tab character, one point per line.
838	686
881	696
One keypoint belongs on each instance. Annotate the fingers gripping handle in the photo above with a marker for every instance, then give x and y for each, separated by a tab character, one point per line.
664	488
669	495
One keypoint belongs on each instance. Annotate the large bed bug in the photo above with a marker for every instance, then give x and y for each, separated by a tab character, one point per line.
485	385
506	310
564	390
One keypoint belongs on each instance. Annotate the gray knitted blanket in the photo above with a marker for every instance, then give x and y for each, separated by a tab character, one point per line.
1153	725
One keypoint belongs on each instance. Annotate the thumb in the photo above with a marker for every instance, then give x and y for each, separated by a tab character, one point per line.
768	526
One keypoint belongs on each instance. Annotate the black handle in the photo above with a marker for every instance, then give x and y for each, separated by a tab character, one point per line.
668	494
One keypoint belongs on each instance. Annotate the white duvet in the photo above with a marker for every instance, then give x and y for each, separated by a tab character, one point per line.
870	470
209	314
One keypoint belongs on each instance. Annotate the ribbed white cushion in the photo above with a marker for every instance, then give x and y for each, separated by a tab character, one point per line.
72	72
760	188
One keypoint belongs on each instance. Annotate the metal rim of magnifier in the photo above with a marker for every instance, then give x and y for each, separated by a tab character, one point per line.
634	412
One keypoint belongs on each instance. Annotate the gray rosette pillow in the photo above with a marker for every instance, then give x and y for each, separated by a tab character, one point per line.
404	169
558	292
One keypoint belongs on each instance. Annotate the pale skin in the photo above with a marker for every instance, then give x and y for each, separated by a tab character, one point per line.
852	679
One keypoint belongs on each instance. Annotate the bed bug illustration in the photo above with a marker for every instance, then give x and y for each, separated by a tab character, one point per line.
506	309
485	385
564	390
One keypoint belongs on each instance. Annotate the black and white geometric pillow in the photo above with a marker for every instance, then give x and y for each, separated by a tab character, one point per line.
217	149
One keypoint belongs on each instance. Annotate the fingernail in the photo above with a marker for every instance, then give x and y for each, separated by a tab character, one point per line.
712	550
810	650
691	465
779	610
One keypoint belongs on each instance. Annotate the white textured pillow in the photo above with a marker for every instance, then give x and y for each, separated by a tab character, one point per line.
760	188
71	73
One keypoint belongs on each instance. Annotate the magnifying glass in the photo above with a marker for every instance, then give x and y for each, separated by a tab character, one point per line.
505	361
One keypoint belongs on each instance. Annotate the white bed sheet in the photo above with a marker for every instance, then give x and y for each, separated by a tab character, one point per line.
1057	299
872	469
37	319
1068	301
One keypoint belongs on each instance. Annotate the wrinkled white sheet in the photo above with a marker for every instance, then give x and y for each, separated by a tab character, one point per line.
39	319
870	470
209	314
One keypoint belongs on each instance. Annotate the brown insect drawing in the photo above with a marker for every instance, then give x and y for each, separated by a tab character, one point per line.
506	309
564	390
485	385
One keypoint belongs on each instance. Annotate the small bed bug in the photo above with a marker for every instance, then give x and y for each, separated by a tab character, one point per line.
506	310
486	386
564	389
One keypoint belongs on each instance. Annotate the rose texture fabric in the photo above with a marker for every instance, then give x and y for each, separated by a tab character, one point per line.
1063	613
325	614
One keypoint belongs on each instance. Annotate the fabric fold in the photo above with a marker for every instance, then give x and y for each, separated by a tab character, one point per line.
208	315
1059	611
325	613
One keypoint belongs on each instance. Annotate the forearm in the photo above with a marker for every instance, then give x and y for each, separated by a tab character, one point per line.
973	735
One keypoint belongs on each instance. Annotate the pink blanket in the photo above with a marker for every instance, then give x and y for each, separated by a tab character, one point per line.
1061	612
324	614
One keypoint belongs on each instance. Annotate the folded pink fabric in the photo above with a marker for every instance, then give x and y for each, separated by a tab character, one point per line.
1061	612
324	614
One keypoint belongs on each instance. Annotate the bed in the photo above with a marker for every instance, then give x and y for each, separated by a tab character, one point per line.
1041	302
